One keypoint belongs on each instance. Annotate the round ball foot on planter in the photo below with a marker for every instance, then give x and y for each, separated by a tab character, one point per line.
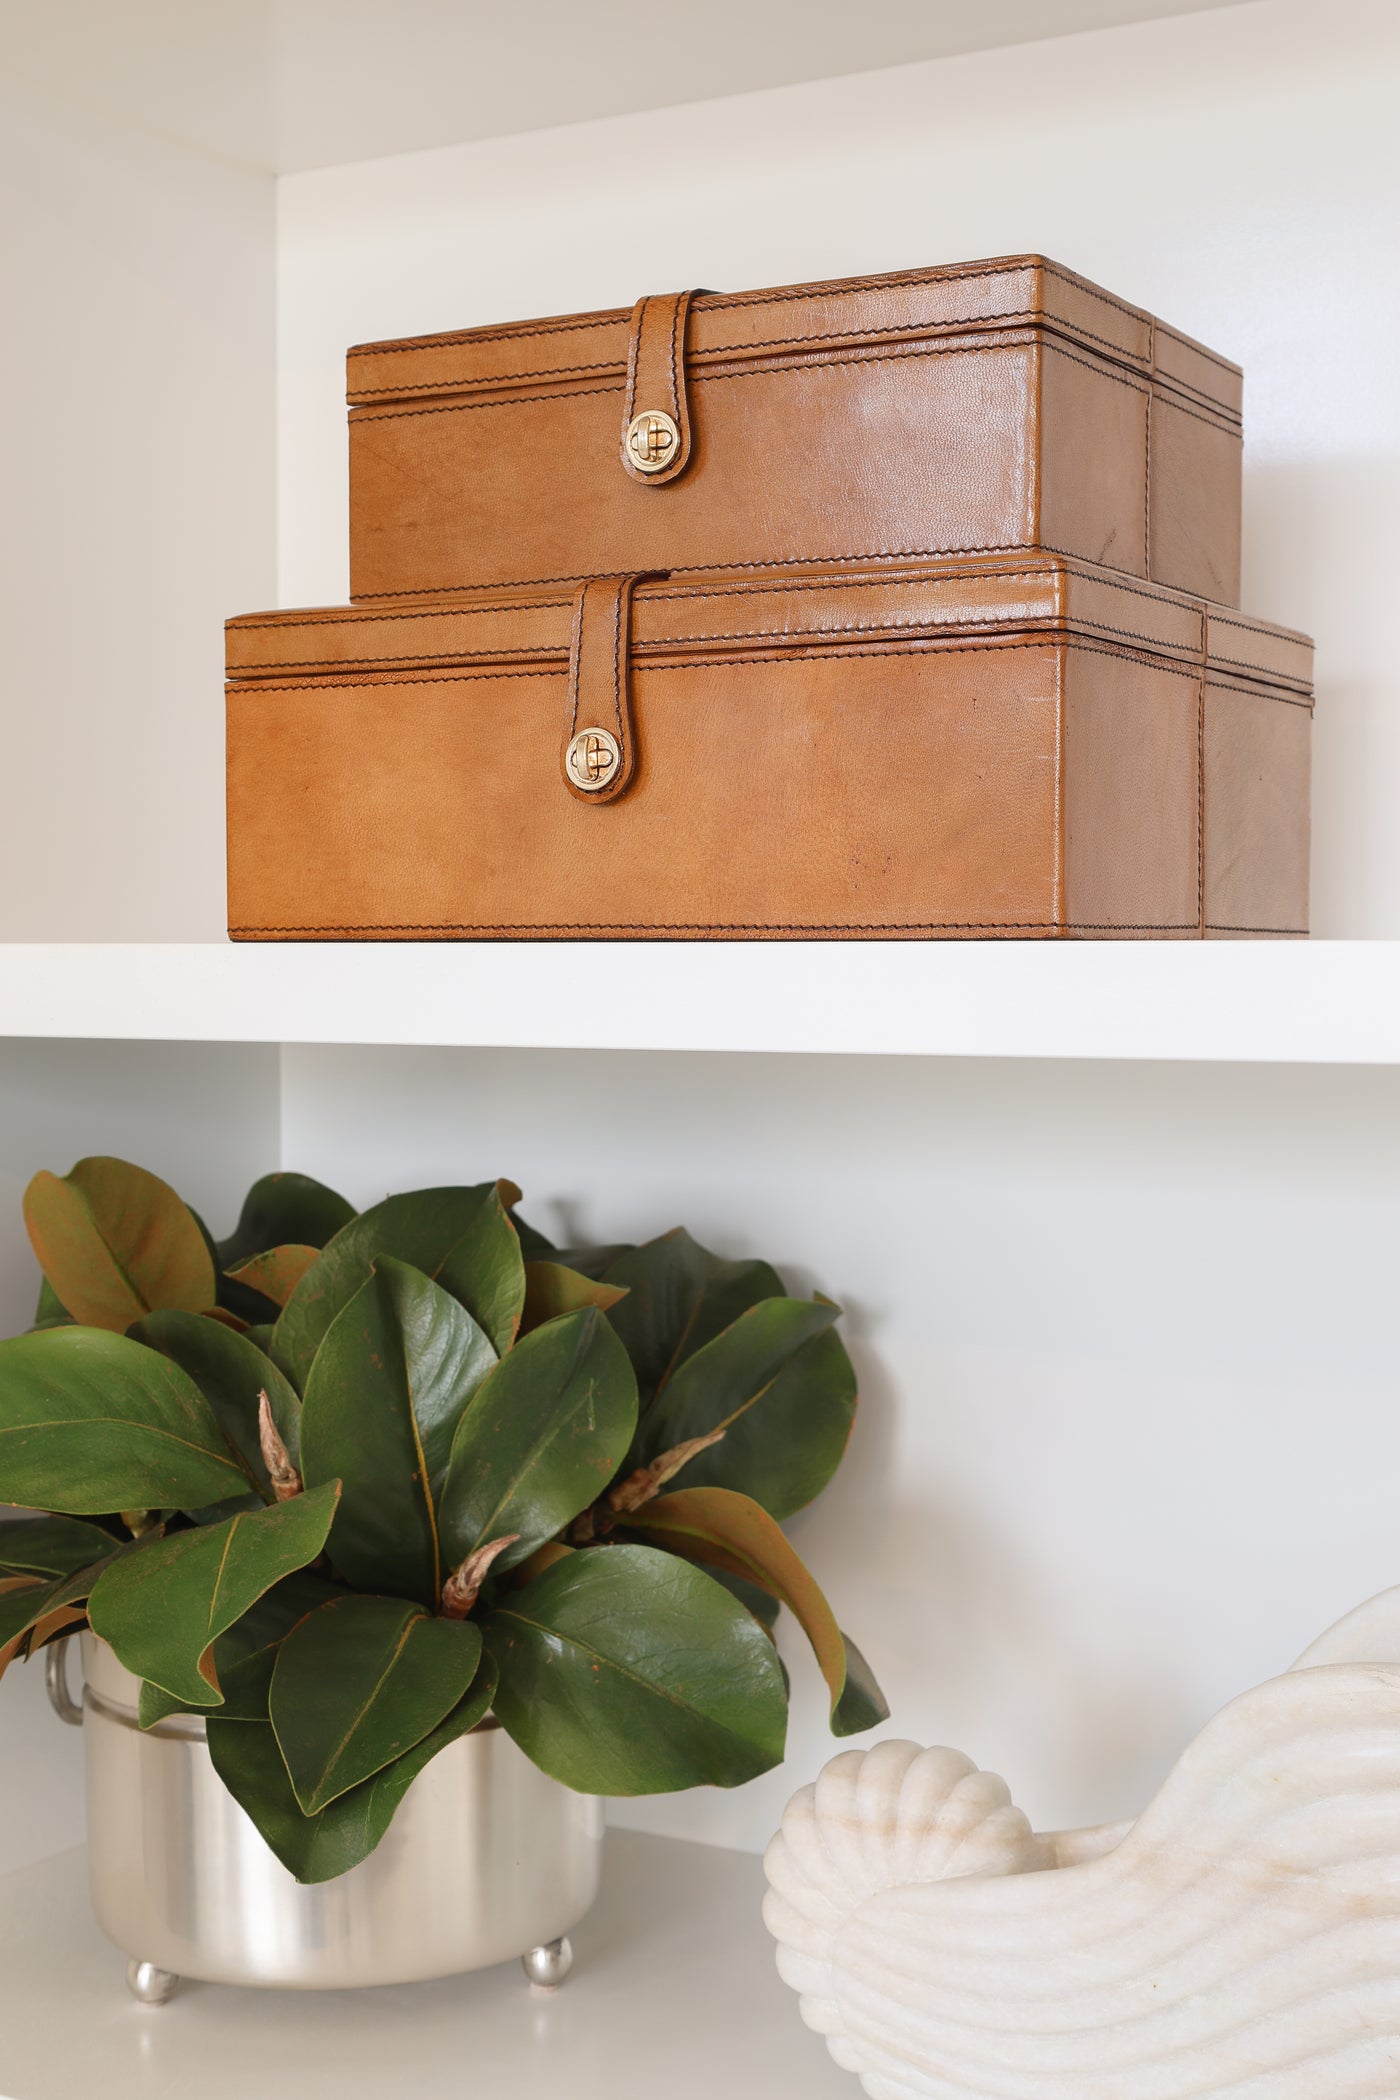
148	1984
547	1966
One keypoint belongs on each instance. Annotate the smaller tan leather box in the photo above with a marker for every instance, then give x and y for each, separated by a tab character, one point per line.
999	748
983	407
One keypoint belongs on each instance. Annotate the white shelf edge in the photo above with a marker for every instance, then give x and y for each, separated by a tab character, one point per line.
1322	1002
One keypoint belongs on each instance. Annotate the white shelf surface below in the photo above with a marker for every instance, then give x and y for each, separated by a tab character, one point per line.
1288	1002
674	1990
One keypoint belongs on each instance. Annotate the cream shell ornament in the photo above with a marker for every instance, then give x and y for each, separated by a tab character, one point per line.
1239	1941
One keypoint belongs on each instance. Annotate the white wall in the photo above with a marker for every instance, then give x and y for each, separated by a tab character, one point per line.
1125	1337
1236	171
137	460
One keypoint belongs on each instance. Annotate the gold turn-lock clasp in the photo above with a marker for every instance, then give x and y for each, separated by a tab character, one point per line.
656	411
600	749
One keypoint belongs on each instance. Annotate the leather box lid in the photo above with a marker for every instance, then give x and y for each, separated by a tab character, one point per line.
809	321
776	611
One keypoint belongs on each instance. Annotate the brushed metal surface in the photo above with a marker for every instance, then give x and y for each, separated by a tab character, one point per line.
486	1858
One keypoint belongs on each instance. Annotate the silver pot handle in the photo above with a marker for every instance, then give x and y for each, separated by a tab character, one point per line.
61	1699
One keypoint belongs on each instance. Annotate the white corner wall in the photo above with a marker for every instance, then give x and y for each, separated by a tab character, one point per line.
1236	171
137	460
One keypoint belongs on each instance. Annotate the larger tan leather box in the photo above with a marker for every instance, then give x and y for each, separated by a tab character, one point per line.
983	408
1018	746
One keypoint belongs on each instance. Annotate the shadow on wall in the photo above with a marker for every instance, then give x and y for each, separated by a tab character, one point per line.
1306	565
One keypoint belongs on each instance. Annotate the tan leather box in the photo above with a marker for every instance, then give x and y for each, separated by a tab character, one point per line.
1003	747
983	408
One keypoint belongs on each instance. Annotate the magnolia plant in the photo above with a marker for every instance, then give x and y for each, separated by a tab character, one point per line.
346	1484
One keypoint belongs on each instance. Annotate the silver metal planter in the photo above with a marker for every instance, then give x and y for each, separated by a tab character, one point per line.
487	1858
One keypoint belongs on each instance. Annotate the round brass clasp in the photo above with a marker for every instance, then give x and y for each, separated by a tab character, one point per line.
652	441
592	759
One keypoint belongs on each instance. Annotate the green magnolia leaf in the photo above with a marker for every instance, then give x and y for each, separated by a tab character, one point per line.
551	1290
320	1847
50	1546
48	1312
162	1607
423	1228
542	1439
91	1422
115	1242
359	1683
627	1671
230	1371
386	1391
730	1533
679	1297
275	1273
862	1704
230	1296
32	1606
485	1271
783	1389
284	1210
244	1656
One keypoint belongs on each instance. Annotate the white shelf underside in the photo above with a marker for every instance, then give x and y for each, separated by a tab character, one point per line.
1325	1002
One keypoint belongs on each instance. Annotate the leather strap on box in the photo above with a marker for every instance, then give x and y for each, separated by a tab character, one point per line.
655	412
600	749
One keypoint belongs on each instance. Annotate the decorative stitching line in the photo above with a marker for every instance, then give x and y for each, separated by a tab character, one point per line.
915	644
602	928
883	354
243	623
1263	932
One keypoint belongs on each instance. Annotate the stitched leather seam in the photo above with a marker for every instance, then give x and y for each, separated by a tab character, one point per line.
1050	633
839	288
881	355
915	644
1155	642
1218	926
733	352
837	926
601	927
701	568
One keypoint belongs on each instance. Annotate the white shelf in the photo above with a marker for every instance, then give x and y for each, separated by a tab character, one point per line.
674	1987
1325	1002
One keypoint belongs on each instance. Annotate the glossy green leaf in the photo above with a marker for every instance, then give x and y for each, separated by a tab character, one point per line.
679	1297
115	1242
320	1847
230	1371
244	1656
423	1228
388	1386
91	1422
782	1386
730	1532
627	1671
485	1271
542	1439
284	1210
359	1683
765	1609
163	1607
50	1546
552	1290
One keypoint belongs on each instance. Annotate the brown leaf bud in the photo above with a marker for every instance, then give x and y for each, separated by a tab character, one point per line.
286	1481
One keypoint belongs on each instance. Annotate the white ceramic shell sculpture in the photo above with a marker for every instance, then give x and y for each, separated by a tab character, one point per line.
1239	1941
